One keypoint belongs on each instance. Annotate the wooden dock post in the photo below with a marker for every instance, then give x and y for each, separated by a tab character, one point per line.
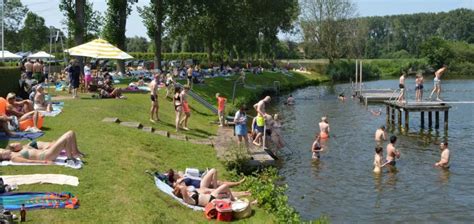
388	114
437	119
399	118
393	116
422	119
446	120
407	120
430	119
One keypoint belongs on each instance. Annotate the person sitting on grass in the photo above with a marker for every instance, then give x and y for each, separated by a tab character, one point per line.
108	91
23	106
17	116
44	152
40	100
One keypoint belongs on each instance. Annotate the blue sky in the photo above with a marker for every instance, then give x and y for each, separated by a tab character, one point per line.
49	10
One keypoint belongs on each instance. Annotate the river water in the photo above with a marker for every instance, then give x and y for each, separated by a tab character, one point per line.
342	185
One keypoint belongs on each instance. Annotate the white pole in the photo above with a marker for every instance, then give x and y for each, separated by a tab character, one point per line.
357	76
3	32
360	83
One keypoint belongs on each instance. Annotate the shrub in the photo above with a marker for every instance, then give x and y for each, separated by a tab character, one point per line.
9	77
344	70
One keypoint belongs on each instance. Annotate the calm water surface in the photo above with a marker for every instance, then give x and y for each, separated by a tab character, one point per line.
343	186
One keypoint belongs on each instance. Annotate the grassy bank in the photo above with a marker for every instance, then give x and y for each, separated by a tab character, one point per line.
255	86
113	186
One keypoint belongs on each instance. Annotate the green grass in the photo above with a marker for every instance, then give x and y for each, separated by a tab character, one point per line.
113	186
224	85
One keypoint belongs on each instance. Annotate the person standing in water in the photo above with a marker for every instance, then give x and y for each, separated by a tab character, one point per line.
316	148
378	157
380	136
419	87
260	106
437	82
154	98
290	100
324	128
444	161
392	152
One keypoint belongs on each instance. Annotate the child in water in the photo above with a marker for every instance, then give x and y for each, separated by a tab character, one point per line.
378	159
316	148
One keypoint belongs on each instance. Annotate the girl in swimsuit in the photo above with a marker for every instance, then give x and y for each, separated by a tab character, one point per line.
316	147
324	128
378	159
45	152
178	105
186	110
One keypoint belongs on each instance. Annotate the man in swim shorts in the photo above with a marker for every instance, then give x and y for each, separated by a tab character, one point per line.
444	161
437	82
260	106
154	98
392	152
401	84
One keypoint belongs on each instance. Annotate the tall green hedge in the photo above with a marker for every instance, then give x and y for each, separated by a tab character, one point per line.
170	56
9	77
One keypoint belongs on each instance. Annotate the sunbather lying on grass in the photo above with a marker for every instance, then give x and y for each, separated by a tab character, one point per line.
43	152
202	198
207	182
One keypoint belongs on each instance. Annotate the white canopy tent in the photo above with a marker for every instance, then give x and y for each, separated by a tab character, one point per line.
40	55
8	55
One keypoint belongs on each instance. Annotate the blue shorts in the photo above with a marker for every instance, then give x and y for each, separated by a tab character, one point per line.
241	130
259	129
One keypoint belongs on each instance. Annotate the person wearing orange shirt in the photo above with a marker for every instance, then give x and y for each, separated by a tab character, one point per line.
221	108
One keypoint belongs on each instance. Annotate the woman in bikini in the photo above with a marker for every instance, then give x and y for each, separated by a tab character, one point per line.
186	109
44	152
178	105
202	198
207	182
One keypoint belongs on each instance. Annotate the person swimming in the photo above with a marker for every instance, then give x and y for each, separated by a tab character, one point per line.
444	161
342	97
290	100
324	128
376	112
380	135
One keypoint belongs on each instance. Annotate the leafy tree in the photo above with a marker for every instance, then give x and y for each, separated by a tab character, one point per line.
34	33
437	51
15	13
330	25
137	44
83	23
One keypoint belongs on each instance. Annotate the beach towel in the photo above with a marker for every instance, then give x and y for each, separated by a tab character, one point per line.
57	109
60	161
38	200
169	191
19	136
40	179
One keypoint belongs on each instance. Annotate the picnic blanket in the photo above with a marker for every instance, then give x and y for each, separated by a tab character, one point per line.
41	179
60	161
37	200
57	109
165	188
19	136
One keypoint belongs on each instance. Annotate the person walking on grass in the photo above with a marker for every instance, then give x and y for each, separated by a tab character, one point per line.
187	111
154	99
240	120
178	105
75	72
437	82
221	108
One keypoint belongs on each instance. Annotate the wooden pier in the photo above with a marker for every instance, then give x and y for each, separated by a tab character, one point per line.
375	95
394	108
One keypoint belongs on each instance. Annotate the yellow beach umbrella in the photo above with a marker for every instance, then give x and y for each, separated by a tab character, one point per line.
98	48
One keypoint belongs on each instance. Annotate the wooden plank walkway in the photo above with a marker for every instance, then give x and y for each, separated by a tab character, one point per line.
225	140
394	107
375	95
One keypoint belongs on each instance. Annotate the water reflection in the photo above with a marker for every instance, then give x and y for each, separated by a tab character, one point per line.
444	175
